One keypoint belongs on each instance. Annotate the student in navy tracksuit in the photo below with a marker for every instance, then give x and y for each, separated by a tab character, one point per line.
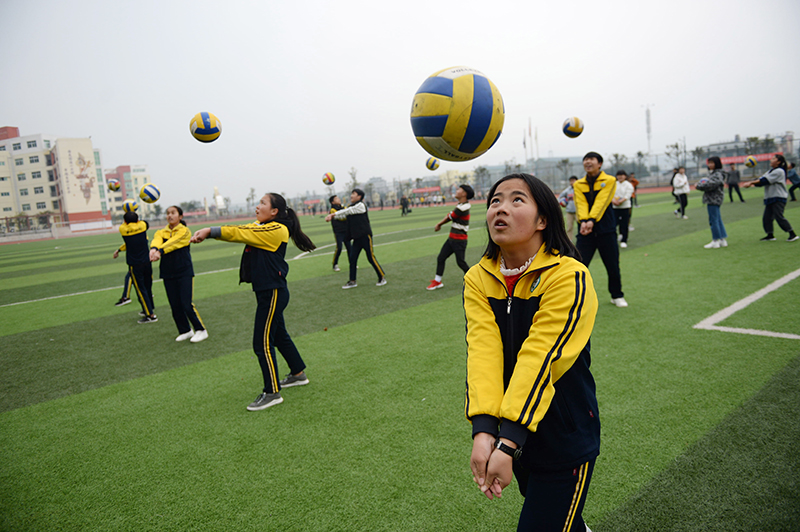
171	246
264	265
360	232
137	255
340	232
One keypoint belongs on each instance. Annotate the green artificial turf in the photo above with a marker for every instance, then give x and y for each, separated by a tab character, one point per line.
110	425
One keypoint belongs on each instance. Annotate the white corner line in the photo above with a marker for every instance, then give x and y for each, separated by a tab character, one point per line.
710	323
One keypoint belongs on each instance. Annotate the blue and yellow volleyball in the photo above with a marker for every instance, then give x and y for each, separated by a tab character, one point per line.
750	161
573	127
457	114
130	206
149	193
328	179
205	127
432	163
113	185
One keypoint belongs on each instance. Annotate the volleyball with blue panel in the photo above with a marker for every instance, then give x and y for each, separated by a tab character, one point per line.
130	206
572	127
205	127
750	162
113	185
457	114
328	179
149	193
432	163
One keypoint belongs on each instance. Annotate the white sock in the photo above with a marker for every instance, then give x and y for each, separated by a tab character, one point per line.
438	278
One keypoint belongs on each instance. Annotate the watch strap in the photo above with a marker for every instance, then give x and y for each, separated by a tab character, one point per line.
510	451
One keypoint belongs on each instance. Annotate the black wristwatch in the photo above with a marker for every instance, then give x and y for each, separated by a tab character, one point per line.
510	451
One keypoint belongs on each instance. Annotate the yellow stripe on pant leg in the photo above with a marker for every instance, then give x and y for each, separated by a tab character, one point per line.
576	497
374	260
197	314
267	353
147	311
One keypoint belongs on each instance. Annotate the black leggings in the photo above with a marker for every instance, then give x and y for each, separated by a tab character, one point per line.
684	199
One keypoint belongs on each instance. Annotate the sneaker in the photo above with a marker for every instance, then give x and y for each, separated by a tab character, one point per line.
714	244
769	238
184	336
620	302
149	319
685	217
199	336
350	284
294	380
434	285
677	214
631	228
265	400
792	237
122	301
336	268
381	282
619	238
623	245
723	243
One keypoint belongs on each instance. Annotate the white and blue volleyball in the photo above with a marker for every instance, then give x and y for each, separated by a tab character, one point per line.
130	206
205	127
149	193
432	163
573	127
457	114
750	162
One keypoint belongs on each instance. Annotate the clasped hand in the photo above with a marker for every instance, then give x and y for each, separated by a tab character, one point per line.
491	469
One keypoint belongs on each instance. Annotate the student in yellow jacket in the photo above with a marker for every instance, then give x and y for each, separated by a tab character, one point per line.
598	228
264	265
134	234
530	307
171	246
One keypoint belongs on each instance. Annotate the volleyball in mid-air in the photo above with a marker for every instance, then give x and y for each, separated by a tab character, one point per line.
149	193
432	163
328	179
573	127
457	114
205	127
113	185
130	206
750	161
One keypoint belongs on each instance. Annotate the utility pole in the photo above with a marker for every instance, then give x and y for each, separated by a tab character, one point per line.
647	122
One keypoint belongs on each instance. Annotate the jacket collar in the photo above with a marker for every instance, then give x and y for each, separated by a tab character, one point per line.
542	261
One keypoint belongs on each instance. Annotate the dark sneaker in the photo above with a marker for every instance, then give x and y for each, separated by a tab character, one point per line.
350	284
769	238
122	301
265	400
792	237
294	380
149	319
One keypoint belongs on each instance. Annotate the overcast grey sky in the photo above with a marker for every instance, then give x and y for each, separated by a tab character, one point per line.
308	87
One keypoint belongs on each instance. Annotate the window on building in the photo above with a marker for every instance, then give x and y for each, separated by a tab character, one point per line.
23	192
16	146
47	144
53	191
36	175
19	162
2	163
38	190
50	176
31	143
6	209
55	205
4	178
34	159
5	194
26	207
3	148
119	208
97	158
20	177
41	205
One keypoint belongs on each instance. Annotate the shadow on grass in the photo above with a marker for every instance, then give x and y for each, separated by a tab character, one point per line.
741	476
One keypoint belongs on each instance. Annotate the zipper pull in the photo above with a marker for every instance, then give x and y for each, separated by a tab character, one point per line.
508	309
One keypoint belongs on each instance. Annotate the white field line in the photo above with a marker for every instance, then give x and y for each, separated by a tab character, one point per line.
300	256
710	322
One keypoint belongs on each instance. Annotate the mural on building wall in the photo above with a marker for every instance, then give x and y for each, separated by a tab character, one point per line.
86	181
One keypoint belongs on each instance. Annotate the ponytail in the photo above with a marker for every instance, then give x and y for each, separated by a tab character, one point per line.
288	217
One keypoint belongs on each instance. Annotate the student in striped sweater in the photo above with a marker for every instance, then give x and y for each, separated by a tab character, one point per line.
457	241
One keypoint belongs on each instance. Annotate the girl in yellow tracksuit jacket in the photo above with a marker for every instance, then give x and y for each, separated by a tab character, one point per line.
264	265
170	245
530	306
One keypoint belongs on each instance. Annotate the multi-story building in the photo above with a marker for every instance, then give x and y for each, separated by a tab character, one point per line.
131	178
48	180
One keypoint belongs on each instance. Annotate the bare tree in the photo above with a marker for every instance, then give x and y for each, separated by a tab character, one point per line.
251	198
353	181
563	165
483	178
640	160
676	153
618	160
699	155
751	145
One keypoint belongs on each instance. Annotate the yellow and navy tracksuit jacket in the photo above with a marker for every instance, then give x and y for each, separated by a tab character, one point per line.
592	200
135	245
339	225
263	262
528	359
176	259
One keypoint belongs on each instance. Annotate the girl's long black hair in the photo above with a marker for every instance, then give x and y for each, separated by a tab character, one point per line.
288	217
556	241
782	163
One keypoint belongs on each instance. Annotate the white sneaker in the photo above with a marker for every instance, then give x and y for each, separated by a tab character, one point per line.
677	214
620	302
723	243
381	282
184	336
336	268
714	244
685	217
623	245
619	238
631	228
199	336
